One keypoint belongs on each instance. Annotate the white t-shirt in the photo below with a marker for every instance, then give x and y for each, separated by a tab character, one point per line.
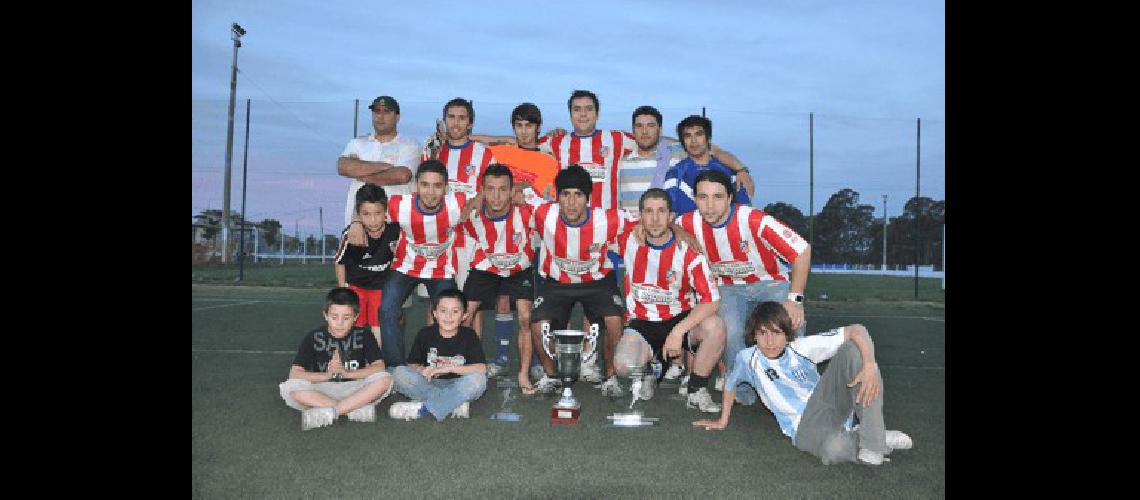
402	151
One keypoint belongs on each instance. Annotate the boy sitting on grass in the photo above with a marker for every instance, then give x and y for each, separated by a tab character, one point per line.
814	410
446	368
337	370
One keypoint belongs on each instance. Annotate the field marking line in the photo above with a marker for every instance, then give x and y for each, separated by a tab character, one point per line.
225	305
928	318
241	351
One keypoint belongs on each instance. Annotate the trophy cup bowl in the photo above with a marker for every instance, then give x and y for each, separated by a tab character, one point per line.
568	356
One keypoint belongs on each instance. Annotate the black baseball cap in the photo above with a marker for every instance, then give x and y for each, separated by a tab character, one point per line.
386	101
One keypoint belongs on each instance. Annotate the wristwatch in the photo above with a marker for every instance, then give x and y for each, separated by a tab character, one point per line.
796	297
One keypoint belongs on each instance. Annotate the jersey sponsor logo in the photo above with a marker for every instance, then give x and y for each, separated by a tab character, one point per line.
597	172
376	268
436	361
430	250
831	332
733	268
574	266
461	187
504	260
651	294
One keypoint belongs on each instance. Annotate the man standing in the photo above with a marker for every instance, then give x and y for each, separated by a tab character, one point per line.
384	157
425	252
750	252
671	302
696	133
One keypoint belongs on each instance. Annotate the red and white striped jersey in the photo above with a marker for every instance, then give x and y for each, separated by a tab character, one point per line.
577	254
426	248
599	154
750	246
465	166
662	282
502	246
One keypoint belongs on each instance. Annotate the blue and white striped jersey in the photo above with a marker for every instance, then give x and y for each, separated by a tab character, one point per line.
785	384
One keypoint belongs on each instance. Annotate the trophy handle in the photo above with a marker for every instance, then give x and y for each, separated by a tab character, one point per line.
592	338
546	335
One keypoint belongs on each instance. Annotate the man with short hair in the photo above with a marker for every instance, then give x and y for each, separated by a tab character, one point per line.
696	136
671	301
750	253
500	234
384	157
424	253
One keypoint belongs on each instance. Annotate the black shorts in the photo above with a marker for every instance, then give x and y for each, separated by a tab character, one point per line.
598	298
655	332
487	287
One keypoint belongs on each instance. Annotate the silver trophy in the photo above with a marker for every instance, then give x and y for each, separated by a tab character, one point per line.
632	415
569	361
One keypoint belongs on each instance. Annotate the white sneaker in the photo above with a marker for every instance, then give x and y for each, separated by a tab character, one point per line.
589	371
366	413
405	410
547	384
702	400
494	369
611	387
674	372
462	411
317	417
871	458
648	384
897	440
684	389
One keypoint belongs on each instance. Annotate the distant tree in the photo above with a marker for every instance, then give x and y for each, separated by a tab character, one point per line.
919	214
790	216
271	228
843	230
212	220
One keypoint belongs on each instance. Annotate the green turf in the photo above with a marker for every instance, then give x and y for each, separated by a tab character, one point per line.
246	442
837	287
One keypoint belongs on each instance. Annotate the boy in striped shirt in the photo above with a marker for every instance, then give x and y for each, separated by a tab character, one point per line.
815	411
671	302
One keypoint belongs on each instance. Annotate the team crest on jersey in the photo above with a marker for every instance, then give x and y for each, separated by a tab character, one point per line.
392	245
604	151
743	245
367	255
787	233
470	169
517	239
671	276
595	248
537	301
617	300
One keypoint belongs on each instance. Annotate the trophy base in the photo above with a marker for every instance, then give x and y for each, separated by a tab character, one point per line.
564	416
631	419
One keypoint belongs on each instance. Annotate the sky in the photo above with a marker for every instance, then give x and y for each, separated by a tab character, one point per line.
866	69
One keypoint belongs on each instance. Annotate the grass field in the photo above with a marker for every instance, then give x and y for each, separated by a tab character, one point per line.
837	287
247	443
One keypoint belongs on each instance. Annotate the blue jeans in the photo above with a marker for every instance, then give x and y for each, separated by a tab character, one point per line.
396	290
440	396
736	305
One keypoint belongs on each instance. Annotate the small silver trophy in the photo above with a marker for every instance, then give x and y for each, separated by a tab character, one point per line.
506	413
633	416
569	359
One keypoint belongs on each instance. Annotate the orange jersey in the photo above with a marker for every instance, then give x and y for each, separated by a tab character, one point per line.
534	167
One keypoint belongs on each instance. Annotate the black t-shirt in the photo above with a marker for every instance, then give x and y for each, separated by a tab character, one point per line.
357	349
367	267
431	349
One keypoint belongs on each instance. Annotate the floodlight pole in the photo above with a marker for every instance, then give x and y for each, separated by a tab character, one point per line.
236	33
918	218
811	179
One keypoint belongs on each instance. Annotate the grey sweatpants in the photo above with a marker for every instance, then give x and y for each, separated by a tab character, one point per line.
821	431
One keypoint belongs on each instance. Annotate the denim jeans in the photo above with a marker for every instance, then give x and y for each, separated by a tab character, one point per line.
440	396
736	305
396	290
